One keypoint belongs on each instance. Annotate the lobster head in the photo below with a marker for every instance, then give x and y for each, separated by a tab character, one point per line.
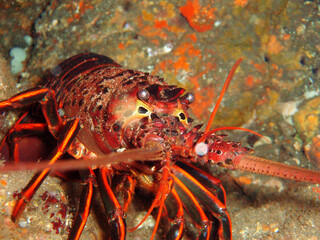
160	115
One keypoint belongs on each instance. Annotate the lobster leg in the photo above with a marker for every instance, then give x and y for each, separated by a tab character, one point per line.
174	205
210	201
129	185
12	143
211	183
113	209
17	132
24	98
164	188
88	183
16	123
68	134
46	98
192	206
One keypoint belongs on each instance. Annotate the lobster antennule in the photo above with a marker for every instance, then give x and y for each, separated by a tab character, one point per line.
238	128
224	89
263	166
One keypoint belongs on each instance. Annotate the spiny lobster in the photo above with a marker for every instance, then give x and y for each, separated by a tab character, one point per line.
128	130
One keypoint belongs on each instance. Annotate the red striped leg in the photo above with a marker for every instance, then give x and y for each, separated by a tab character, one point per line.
68	134
210	201
19	131
88	181
13	149
194	209
174	210
21	118
112	207
24	98
127	187
163	189
46	98
210	182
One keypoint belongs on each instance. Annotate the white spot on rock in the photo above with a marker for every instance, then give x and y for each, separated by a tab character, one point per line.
18	56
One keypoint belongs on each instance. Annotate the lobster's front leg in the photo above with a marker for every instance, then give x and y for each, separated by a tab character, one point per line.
127	187
174	209
44	96
213	184
112	206
88	182
200	193
194	209
65	133
20	131
68	134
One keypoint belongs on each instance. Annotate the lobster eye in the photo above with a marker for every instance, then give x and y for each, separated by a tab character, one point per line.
143	94
201	149
182	116
142	110
190	97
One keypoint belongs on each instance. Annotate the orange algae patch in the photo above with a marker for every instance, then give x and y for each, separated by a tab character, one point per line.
241	3
192	37
151	32
204	95
199	18
204	100
80	9
286	37
260	67
181	63
187	47
121	46
251	81
192	51
263	100
3	182
163	64
185	50
245	180
274	45
278	71
160	24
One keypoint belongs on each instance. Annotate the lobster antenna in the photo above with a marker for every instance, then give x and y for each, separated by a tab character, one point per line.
239	128
224	89
142	154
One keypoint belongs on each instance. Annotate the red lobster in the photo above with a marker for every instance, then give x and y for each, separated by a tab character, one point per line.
137	129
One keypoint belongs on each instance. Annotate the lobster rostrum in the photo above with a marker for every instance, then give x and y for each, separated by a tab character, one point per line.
132	130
